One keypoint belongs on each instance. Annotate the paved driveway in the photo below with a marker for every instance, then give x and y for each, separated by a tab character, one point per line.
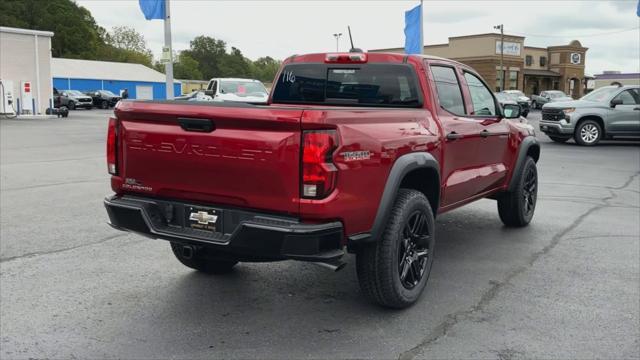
567	286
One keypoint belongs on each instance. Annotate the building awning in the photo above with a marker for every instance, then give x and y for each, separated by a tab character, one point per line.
547	73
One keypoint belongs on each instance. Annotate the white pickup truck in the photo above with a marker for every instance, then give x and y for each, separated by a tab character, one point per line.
238	90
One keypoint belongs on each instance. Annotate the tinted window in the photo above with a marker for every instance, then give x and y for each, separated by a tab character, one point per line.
449	93
627	98
483	102
362	85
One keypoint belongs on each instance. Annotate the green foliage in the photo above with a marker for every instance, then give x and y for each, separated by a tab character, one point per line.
76	35
186	68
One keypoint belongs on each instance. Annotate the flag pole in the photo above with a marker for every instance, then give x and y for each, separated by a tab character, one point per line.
167	45
421	29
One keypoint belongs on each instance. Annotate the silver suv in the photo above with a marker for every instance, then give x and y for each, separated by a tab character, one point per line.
606	113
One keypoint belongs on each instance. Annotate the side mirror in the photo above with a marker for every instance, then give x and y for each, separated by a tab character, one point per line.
511	111
209	92
616	102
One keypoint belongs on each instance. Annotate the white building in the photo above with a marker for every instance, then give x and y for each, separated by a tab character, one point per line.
25	68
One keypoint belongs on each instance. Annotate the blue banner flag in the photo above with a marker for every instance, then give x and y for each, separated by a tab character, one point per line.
152	9
413	30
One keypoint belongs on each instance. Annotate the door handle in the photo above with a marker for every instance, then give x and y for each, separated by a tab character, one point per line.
485	133
453	136
637	108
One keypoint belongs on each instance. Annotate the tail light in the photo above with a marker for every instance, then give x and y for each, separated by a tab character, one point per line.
318	171
112	146
348	58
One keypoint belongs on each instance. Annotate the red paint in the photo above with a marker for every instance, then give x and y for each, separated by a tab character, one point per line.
253	159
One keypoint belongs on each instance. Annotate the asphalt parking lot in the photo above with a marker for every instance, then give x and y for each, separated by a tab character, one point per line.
567	286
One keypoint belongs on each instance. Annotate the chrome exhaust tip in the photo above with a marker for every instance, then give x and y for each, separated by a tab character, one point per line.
333	265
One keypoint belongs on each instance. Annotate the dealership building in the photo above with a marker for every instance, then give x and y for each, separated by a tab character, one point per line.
527	68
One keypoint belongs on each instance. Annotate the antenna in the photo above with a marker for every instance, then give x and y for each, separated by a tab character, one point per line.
353	49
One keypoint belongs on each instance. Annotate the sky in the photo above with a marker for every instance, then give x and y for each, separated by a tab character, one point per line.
283	28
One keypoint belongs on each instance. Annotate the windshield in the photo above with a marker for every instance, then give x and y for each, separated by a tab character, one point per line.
108	93
556	94
242	88
601	95
516	93
75	93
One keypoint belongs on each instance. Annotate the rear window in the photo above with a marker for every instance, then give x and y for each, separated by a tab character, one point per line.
384	85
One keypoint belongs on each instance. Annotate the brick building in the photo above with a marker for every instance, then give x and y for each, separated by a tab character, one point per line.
527	68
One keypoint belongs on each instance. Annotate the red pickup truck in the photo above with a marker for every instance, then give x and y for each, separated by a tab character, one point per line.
354	152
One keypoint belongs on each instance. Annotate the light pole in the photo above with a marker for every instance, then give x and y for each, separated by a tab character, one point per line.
501	27
337	36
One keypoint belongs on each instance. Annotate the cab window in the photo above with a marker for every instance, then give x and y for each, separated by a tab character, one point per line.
627	98
481	98
449	93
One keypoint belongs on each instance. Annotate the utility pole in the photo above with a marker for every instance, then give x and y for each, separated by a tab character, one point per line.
337	36
501	27
167	47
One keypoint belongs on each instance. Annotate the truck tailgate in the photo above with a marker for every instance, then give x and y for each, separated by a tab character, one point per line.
249	159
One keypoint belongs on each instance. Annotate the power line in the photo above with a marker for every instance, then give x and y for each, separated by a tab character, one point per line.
578	36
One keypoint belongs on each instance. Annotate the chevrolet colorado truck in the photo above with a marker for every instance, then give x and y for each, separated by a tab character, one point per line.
354	152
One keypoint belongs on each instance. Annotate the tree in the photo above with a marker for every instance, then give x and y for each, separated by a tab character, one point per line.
235	64
209	53
186	68
127	38
76	34
265	68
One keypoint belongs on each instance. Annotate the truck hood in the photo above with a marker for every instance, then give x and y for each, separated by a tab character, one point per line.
578	104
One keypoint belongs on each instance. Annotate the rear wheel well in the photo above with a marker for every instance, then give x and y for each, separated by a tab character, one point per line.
594	118
427	181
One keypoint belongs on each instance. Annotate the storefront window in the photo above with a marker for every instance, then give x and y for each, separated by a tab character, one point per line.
498	85
513	80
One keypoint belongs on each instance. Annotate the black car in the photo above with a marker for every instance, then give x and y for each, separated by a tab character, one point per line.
72	99
519	99
104	99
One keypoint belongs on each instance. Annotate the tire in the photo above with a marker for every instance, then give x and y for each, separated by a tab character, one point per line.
534	105
71	105
559	139
516	207
588	133
104	104
410	226
524	114
204	260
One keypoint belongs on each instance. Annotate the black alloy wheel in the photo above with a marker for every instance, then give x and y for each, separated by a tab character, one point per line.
413	252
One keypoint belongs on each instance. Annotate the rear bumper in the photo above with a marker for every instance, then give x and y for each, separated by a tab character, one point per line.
245	234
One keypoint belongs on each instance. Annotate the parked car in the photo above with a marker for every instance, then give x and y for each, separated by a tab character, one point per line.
606	113
194	96
548	96
103	98
238	90
71	99
353	151
520	99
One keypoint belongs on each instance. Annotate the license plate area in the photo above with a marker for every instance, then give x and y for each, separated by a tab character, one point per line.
203	219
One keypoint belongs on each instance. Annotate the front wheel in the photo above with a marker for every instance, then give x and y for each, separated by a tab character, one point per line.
393	271
588	133
534	105
71	105
516	207
202	259
104	104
